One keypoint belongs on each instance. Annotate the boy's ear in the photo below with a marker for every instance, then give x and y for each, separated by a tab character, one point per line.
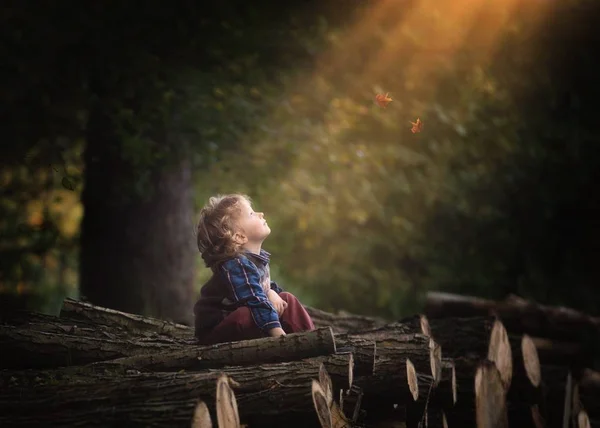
240	238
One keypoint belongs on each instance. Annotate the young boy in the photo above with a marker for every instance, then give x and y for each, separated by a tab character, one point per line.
240	301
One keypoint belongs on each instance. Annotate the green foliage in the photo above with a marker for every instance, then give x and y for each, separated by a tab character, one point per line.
367	216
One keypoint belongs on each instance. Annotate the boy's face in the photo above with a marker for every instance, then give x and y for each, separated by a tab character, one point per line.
253	226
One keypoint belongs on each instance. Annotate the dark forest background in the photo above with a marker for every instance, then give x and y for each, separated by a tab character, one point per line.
119	120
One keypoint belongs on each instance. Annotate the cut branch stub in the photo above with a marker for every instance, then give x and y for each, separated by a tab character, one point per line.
411	376
425	328
201	417
531	361
500	353
490	398
320	402
227	410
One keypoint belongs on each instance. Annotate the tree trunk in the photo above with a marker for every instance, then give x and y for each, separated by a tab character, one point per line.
167	400
137	245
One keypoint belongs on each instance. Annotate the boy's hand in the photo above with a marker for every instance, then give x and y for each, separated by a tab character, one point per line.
279	304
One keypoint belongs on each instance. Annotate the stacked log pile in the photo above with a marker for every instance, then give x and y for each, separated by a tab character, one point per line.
92	366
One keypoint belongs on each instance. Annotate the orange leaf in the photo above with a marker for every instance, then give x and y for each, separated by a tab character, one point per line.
383	100
416	126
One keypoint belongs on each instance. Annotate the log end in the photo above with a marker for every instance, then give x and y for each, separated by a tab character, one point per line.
490	398
227	410
201	418
583	421
326	385
531	360
453	386
425	328
435	360
320	402
500	353
411	376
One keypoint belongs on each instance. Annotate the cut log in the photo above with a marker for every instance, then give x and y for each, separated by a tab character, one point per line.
161	399
583	421
98	315
389	384
26	348
35	321
500	353
469	337
521	397
490	401
291	347
428	409
321	403
201	417
363	350
518	315
343	322
226	404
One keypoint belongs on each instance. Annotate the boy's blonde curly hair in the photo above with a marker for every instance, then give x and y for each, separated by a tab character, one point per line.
217	227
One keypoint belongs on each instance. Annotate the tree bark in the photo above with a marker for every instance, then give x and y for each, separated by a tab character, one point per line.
133	323
364	351
27	348
518	315
343	322
137	246
469	337
161	399
291	347
389	383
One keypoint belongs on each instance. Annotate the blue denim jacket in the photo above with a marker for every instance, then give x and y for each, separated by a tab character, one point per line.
240	281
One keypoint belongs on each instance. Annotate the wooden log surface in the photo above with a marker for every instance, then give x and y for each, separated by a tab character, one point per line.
75	309
343	322
468	337
24	347
161	399
390	382
518	315
363	350
294	346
